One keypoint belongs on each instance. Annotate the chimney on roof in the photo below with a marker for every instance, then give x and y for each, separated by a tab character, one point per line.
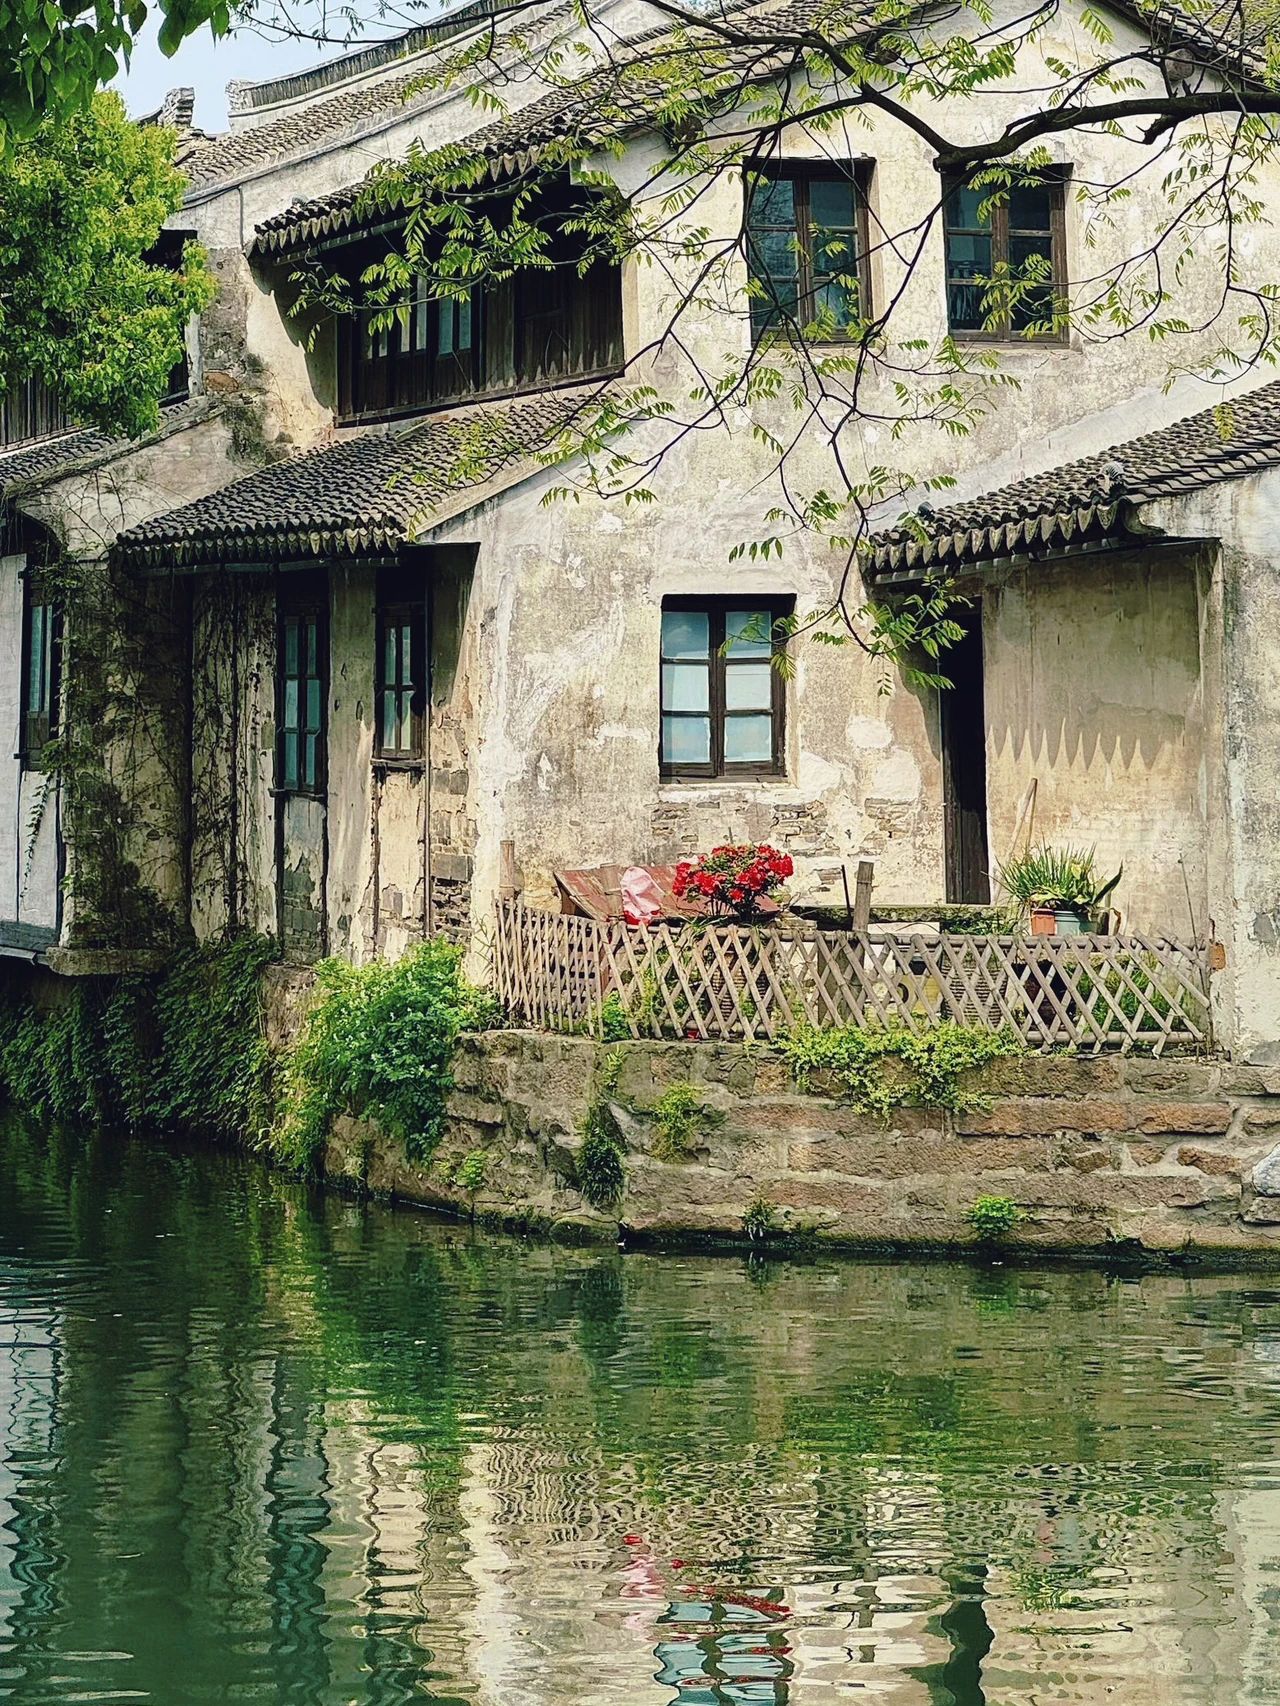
178	110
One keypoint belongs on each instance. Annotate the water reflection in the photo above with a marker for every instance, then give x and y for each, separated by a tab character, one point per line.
258	1447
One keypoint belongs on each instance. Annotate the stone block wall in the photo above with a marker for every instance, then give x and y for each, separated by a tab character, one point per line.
1175	1157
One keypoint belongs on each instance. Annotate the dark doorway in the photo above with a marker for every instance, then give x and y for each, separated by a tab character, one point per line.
964	770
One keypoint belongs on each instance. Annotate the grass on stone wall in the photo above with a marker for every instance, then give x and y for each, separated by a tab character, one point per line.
883	1067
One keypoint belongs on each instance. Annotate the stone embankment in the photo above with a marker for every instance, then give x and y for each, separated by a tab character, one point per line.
1175	1156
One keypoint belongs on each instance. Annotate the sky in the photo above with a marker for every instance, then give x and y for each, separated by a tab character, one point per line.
208	65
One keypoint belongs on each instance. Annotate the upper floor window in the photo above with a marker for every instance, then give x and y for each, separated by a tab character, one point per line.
301	700
807	247
723	701
31	410
41	670
401	669
542	326
1021	235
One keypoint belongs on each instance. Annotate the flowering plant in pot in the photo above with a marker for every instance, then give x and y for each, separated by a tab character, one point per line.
733	880
1059	887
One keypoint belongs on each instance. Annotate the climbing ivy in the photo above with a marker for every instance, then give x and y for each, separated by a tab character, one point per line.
881	1068
184	1051
378	1041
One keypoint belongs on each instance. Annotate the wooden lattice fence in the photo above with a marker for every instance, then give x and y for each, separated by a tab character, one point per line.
735	982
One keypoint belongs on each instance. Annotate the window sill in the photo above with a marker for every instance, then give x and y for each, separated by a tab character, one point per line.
465	399
412	765
672	785
1003	341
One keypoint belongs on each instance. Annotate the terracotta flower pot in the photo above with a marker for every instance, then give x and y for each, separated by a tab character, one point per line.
1044	921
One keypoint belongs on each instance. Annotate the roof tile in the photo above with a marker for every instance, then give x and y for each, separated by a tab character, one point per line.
1091	498
364	496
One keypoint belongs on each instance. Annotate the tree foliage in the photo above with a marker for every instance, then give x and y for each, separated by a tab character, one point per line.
54	57
82	202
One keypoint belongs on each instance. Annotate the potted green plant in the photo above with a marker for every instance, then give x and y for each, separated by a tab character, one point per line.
1059	888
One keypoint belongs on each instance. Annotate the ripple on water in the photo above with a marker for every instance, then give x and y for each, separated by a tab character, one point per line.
255	1447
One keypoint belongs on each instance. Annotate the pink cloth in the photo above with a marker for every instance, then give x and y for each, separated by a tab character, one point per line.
641	896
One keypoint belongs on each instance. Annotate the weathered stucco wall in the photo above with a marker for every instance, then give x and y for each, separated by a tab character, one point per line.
1095	700
28	798
1168	1156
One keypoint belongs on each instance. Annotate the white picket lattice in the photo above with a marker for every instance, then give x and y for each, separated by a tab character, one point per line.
736	982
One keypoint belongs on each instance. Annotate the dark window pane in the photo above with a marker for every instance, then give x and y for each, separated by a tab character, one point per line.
388	718
1024	249
313	703
291	648
963	209
968	257
310	772
290	716
1029	209
831	202
290	778
773	202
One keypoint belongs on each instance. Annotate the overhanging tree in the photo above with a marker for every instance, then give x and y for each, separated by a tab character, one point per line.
55	54
82	305
1188	107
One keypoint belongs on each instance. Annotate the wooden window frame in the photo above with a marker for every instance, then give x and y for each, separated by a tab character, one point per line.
1055	181
717	769
801	174
39	726
296	610
398	609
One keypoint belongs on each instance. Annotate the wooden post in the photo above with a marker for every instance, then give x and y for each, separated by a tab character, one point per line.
508	872
862	896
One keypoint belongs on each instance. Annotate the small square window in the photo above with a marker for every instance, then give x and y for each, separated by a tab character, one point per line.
722	698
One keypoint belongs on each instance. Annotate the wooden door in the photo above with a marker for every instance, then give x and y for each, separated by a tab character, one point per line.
964	770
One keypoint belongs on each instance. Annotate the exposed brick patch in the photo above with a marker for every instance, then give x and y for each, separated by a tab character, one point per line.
1209	1160
1211	1118
1145	1154
1034	1116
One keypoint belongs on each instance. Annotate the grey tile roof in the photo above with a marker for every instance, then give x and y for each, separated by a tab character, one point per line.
25	467
367	495
512	142
225	158
1091	499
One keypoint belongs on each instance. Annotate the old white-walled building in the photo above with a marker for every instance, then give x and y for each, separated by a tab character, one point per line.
382	673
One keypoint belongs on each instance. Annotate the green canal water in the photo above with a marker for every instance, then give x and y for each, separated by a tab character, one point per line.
256	1446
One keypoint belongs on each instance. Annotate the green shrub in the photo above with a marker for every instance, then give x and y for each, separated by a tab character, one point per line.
599	1170
882	1067
614	1025
378	1042
994	1218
